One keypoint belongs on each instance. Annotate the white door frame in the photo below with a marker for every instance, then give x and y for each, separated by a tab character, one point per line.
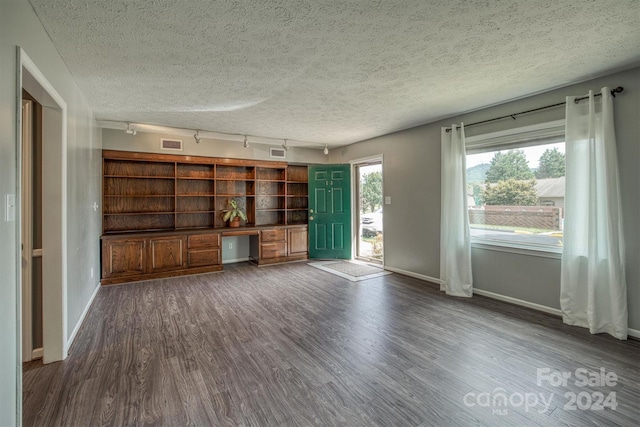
354	203
54	209
27	228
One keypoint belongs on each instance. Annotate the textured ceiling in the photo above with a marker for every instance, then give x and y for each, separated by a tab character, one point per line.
332	72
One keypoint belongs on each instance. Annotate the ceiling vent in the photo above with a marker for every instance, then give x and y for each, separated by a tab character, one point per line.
171	144
277	153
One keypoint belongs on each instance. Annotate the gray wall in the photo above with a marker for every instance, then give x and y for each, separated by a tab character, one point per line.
239	249
19	26
412	179
150	143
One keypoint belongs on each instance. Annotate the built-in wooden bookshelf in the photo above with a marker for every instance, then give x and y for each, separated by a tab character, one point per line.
297	204
159	192
162	214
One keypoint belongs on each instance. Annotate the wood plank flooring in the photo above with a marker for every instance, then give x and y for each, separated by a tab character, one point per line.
291	345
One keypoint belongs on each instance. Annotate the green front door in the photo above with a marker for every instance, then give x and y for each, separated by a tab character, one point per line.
330	211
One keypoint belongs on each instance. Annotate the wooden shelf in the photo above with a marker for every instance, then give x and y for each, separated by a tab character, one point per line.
195	179
139	213
140	195
140	176
144	191
194	212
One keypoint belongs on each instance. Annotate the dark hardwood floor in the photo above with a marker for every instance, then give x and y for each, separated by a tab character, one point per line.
291	345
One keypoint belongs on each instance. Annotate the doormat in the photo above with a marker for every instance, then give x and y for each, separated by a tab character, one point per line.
353	271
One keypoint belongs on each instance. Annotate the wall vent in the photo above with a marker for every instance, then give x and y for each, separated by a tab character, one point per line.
171	144
277	153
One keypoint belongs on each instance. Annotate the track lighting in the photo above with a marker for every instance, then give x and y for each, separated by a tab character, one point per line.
326	150
130	131
246	143
285	145
196	136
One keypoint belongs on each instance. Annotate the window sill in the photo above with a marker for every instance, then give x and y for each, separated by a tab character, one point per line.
514	248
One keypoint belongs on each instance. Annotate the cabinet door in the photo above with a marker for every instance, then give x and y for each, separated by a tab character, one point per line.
123	257
167	253
298	241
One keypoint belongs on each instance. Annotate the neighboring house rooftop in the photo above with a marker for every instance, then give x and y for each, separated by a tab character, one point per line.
550	187
547	187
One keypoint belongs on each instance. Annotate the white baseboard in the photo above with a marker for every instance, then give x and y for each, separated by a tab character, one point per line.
516	301
37	353
231	261
82	316
414	275
555	311
487	294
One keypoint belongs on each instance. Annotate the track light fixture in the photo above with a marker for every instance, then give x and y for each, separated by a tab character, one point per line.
130	131
196	136
246	143
326	150
285	145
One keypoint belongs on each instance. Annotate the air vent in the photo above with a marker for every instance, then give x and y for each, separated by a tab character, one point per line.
171	144
277	153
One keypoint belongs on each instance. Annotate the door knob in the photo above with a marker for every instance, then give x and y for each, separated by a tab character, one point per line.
310	210
310	218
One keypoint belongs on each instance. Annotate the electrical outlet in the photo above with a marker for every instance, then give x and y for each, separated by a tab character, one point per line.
387	200
92	272
95	206
230	245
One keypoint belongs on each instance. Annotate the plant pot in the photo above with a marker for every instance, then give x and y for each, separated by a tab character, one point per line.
235	222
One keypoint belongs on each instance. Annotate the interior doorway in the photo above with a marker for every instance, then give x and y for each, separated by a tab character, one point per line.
369	217
31	219
53	128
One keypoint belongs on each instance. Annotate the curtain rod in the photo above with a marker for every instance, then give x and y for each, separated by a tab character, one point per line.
619	89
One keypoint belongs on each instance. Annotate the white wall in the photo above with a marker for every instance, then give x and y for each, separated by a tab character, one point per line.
412	179
19	26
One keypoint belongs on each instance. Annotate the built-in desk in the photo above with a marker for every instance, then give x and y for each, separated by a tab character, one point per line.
136	256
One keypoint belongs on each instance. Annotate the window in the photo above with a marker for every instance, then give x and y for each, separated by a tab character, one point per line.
515	187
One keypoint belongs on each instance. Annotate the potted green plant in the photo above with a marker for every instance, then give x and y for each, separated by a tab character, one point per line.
234	214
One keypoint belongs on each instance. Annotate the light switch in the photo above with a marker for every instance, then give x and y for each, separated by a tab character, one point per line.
10	208
387	200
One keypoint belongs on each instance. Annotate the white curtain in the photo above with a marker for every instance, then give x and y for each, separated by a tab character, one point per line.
455	239
593	291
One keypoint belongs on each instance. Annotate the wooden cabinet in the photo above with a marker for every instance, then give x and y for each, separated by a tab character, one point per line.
150	256
298	242
281	244
167	253
162	213
204	250
123	257
273	245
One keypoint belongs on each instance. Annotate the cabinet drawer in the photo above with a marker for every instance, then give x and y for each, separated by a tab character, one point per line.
204	257
273	250
204	240
275	235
